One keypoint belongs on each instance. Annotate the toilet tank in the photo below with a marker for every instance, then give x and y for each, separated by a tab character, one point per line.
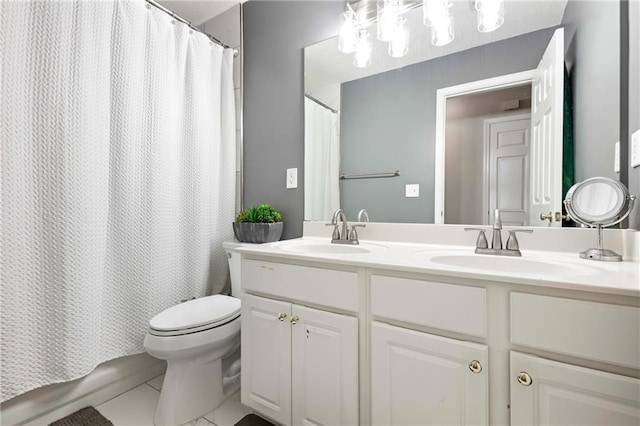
233	258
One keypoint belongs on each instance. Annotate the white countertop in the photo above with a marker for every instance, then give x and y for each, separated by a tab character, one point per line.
615	278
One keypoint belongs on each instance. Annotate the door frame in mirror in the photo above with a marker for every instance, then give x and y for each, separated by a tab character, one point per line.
489	84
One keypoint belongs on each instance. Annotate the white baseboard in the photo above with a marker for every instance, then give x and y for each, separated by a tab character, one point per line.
49	403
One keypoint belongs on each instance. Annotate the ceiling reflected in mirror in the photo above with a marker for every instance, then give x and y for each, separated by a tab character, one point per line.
326	66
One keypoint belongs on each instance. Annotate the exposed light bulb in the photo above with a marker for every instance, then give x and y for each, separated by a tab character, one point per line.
389	12
399	44
490	15
362	55
435	11
348	34
442	32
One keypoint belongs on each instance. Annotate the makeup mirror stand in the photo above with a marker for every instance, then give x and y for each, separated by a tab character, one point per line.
578	209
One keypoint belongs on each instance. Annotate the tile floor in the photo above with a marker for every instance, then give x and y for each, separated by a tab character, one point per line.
137	407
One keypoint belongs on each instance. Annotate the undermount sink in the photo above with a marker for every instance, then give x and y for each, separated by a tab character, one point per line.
517	265
328	248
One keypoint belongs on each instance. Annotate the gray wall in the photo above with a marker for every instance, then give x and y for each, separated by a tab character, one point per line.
275	33
634	101
399	132
593	59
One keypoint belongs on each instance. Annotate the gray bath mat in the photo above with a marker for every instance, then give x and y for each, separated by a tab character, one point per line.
88	416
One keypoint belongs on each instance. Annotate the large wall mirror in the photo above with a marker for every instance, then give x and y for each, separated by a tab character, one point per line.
447	134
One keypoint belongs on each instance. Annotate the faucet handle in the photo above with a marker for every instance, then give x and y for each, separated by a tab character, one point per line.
336	232
353	235
481	242
363	216
512	241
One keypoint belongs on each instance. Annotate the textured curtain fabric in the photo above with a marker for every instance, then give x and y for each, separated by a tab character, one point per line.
321	162
118	180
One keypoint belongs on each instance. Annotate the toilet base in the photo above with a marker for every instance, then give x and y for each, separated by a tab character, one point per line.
190	390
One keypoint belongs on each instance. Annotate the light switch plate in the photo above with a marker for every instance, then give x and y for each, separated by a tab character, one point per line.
292	178
412	190
635	149
616	158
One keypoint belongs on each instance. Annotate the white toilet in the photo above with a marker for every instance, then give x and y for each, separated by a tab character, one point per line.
194	337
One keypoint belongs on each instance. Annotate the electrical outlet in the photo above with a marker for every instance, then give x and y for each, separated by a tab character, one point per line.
292	178
412	190
635	149
616	158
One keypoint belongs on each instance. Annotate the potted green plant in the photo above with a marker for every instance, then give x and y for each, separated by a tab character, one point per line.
258	224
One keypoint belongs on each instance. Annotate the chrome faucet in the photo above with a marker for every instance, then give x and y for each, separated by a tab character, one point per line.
512	248
341	215
343	236
496	241
363	216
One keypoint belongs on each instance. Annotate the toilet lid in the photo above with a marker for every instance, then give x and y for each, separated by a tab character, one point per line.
197	313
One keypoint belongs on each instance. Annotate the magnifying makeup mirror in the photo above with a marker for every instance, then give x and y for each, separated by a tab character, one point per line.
597	203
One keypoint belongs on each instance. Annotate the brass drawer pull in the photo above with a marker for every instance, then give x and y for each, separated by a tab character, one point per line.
294	319
475	366
282	316
524	378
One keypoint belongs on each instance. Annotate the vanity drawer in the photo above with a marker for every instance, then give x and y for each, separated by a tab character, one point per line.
597	331
451	307
319	286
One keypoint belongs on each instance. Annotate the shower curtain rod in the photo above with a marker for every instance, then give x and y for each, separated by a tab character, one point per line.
311	98
189	24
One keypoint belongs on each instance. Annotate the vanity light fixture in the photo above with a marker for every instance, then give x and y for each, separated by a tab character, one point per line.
438	18
389	14
490	15
364	49
348	32
392	25
399	43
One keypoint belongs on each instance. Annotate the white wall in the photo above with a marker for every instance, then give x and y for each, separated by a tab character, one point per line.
464	166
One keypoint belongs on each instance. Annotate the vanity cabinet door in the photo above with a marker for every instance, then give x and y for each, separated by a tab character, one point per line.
422	379
545	392
325	368
266	357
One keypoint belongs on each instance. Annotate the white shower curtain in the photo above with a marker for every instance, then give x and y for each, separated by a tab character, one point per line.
118	180
321	162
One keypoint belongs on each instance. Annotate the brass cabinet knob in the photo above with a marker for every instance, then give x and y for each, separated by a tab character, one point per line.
524	378
294	319
546	216
475	366
282	316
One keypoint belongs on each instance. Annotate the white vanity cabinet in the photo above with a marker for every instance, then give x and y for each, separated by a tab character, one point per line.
421	378
299	364
424	379
549	392
329	343
546	392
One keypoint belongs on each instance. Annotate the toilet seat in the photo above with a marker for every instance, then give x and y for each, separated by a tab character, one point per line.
195	316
